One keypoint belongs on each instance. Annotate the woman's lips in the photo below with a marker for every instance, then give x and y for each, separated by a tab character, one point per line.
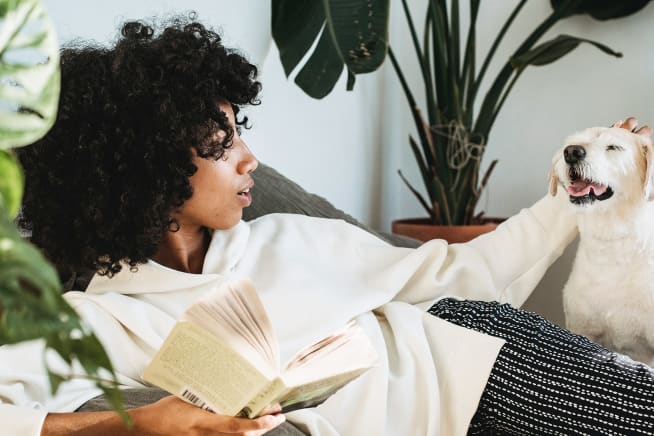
245	197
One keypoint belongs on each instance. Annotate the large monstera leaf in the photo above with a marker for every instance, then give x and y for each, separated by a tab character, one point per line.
350	34
31	302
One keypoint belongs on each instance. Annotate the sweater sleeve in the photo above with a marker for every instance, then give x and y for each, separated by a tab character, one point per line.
25	396
21	421
504	265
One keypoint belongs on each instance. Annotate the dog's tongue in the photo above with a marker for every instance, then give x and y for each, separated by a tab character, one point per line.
580	188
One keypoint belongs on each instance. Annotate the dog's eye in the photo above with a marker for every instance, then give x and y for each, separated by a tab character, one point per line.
614	148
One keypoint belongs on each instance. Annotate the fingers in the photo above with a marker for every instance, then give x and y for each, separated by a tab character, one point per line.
645	131
631	124
272	409
171	415
250	427
628	124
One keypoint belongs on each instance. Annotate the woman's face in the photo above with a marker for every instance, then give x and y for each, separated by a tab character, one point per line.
220	187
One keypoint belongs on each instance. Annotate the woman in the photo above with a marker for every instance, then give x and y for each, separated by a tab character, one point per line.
144	178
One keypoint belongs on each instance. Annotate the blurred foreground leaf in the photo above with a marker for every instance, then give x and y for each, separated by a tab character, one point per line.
32	307
29	72
11	182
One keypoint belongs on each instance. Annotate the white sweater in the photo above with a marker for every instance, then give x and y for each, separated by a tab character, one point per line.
313	275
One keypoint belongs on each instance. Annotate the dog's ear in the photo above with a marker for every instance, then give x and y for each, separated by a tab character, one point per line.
552	178
648	151
553	181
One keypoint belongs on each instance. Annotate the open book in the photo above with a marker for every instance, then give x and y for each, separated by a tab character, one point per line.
223	356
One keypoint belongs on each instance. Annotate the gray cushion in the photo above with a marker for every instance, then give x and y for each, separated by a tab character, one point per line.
273	192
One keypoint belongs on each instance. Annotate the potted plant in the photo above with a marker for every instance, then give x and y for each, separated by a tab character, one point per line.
452	133
31	304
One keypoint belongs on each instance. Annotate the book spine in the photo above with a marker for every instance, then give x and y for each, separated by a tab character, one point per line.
263	399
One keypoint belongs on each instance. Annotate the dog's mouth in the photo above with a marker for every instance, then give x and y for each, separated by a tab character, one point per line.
584	191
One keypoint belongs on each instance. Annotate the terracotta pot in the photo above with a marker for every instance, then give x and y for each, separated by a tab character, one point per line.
422	229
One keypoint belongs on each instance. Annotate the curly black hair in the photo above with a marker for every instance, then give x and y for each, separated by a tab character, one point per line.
102	184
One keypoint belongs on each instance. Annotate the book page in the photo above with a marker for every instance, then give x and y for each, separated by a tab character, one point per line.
203	370
345	350
323	368
234	313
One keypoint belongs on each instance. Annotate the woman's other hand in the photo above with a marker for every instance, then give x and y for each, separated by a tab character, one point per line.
631	124
169	416
172	416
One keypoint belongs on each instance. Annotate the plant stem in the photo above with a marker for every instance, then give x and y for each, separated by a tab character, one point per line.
415	192
485	117
446	91
440	50
455	43
505	95
489	56
468	70
429	158
426	74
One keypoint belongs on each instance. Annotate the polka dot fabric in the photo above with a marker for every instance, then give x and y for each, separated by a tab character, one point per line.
549	381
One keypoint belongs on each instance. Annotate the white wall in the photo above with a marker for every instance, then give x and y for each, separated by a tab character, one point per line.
349	146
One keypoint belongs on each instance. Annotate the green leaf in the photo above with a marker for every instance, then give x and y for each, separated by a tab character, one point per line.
295	27
555	49
32	307
350	33
603	9
351	79
321	72
55	380
360	32
11	183
29	73
21	263
31	303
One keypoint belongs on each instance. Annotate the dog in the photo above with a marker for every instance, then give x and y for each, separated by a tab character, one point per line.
608	174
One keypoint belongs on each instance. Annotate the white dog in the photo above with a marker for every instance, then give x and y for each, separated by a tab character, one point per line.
608	174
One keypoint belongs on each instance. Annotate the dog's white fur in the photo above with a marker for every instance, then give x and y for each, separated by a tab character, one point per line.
609	296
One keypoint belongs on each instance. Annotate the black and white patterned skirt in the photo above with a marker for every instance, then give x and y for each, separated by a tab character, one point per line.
549	381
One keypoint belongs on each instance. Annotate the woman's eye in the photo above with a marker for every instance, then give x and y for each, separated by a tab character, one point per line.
614	148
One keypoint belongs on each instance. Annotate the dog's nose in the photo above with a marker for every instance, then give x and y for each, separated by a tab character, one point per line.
574	153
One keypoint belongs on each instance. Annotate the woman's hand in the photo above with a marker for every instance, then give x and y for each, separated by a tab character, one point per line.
172	416
631	124
168	416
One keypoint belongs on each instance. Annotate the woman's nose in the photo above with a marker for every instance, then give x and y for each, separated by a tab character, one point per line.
248	162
